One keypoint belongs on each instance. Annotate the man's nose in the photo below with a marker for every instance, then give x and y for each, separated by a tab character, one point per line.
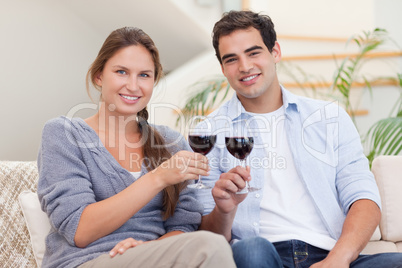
245	66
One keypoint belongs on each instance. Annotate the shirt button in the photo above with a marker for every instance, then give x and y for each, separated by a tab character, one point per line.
255	224
257	195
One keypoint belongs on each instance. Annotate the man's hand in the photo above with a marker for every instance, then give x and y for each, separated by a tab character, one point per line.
331	263
224	191
221	218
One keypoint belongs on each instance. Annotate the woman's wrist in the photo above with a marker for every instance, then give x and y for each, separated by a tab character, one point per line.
157	179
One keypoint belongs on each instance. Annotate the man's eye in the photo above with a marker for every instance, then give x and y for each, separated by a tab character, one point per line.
254	53
121	72
230	60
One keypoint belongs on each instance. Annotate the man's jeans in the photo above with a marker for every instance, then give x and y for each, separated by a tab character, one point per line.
258	252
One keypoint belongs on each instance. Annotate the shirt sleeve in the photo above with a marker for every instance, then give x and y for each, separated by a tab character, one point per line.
354	180
64	186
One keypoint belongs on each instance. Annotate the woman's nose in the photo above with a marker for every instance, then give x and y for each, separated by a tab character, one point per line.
132	84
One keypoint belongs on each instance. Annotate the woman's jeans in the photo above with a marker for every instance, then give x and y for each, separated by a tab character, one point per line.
258	252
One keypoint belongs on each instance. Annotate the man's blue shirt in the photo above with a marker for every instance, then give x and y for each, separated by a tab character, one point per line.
327	154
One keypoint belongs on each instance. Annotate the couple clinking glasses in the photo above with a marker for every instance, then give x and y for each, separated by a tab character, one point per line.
106	212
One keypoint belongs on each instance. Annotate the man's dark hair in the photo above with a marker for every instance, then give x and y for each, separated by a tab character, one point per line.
240	20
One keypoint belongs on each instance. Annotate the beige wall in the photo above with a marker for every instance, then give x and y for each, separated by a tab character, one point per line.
45	51
46	48
323	18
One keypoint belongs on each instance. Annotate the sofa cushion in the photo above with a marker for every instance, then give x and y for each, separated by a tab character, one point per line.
37	223
15	249
387	171
376	235
399	246
374	247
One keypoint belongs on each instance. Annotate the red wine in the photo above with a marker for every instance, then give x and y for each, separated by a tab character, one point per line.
239	147
202	143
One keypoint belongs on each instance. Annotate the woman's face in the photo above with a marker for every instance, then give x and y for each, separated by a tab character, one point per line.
127	81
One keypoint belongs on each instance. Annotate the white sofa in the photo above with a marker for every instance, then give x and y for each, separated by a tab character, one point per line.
387	171
22	245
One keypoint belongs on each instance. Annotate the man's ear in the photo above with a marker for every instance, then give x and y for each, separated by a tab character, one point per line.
223	71
276	52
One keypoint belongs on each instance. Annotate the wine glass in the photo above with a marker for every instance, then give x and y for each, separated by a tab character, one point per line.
239	143
202	141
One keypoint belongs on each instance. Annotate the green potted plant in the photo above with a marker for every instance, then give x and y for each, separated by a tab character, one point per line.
385	136
204	96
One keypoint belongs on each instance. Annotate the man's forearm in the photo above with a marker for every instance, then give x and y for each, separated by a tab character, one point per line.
219	223
360	223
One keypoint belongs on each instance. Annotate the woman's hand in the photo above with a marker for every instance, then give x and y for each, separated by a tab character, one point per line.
122	246
182	166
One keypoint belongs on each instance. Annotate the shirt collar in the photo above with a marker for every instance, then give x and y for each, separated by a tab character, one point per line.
235	108
289	100
237	111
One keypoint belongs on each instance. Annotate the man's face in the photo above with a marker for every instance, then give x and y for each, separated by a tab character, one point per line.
248	65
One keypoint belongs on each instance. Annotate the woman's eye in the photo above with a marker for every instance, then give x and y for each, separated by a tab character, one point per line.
144	75
121	72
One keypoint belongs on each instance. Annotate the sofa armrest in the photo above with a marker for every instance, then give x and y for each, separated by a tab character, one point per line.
15	249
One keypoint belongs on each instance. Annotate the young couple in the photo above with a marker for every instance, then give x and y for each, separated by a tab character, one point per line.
106	211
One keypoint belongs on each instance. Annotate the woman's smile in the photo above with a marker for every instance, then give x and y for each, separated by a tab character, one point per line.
129	99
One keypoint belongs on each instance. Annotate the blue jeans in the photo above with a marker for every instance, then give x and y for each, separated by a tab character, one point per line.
258	252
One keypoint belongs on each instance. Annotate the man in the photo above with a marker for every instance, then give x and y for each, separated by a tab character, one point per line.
318	203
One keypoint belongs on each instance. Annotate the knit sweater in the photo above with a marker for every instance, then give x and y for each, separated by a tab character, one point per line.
76	170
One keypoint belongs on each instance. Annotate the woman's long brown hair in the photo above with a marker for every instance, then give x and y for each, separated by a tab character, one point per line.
153	149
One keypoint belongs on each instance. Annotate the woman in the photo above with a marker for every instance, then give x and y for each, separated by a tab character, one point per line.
112	185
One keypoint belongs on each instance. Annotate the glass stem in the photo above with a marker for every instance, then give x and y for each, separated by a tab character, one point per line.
199	180
243	164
